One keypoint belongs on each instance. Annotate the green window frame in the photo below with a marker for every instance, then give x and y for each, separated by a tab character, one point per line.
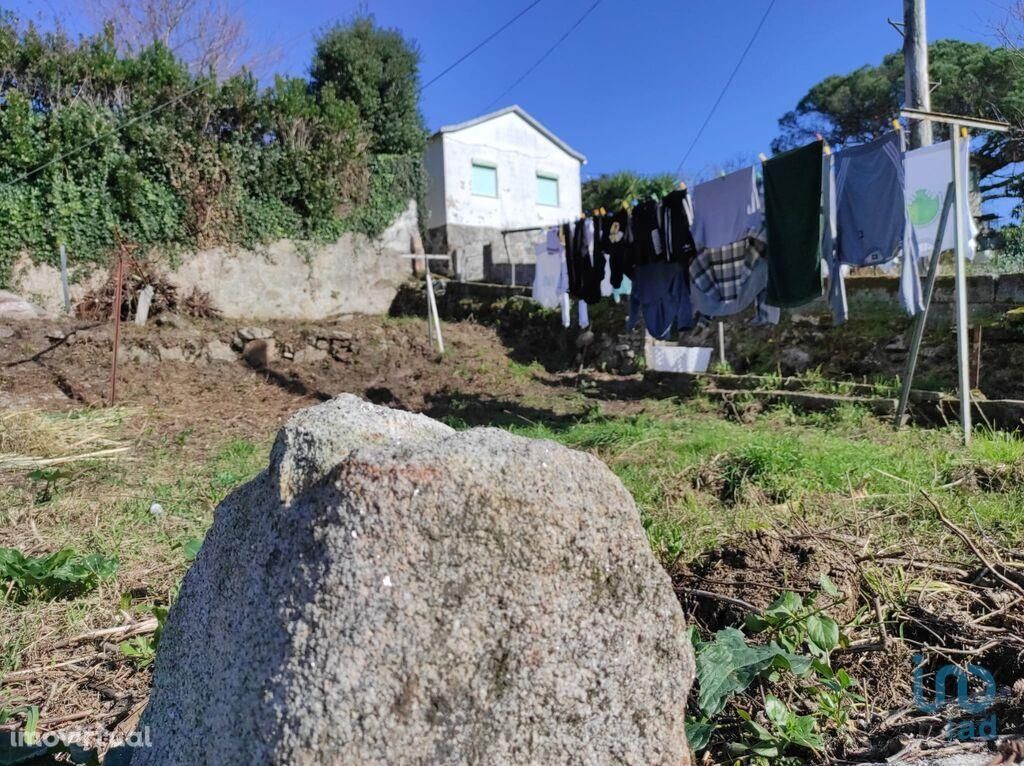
484	179
547	189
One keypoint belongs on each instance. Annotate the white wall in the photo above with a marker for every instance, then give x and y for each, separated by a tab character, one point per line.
520	151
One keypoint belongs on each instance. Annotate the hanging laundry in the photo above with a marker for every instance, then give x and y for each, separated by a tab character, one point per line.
726	280
675	224
834	270
548	275
585	264
873	225
727	209
929	171
624	289
615	239
647	243
660	295
792	201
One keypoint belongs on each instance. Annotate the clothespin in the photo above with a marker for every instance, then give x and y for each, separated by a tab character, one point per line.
896	124
604	212
762	157
682	185
825	147
625	205
963	132
597	212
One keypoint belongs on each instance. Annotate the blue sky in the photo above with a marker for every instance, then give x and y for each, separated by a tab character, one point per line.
630	87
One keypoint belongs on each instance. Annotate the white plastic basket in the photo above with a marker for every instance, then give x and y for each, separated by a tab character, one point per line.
680	358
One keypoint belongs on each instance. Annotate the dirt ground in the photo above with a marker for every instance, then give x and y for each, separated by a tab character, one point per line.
733	510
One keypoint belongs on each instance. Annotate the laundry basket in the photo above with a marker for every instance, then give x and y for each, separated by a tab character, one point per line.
680	358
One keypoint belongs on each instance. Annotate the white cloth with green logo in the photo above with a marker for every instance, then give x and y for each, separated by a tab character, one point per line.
929	171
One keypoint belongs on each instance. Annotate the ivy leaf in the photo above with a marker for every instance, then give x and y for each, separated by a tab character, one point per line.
822	633
698	733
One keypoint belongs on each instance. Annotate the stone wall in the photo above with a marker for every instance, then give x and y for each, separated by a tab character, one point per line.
284	280
480	253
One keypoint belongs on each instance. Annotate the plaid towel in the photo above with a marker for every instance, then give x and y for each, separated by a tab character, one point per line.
721	272
721	276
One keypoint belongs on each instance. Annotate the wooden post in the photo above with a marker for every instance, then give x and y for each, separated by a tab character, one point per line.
917	92
959	230
119	271
64	279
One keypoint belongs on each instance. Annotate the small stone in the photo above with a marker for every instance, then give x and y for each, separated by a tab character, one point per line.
309	355
6	332
171	354
255	333
140	355
219	351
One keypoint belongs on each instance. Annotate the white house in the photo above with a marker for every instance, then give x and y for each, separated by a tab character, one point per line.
497	172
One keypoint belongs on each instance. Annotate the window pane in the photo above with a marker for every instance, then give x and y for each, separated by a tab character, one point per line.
485	180
547	190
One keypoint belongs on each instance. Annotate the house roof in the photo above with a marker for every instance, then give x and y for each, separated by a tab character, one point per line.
515	108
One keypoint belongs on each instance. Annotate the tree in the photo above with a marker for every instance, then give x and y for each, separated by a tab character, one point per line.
208	35
376	70
969	78
610	190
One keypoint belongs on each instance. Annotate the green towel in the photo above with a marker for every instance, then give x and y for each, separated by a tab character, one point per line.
792	199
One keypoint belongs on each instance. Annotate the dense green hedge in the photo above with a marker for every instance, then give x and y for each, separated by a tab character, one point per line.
138	146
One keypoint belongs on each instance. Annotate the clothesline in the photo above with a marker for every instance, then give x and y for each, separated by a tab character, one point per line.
725	245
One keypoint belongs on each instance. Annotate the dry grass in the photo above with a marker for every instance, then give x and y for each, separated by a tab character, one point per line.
33	438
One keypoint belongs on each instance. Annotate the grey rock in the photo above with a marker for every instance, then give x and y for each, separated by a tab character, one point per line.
309	355
14	307
219	351
391	591
140	355
255	333
794	359
171	354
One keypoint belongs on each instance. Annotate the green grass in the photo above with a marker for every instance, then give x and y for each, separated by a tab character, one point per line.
784	464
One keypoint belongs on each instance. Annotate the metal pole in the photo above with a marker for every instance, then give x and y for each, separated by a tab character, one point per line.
721	342
64	279
917	92
962	341
432	312
921	319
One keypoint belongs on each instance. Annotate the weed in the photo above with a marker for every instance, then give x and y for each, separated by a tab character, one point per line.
63	574
798	641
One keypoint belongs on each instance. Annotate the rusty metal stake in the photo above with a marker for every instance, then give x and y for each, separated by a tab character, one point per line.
117	326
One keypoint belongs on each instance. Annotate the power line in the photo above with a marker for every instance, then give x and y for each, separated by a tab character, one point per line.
547	53
728	82
481	44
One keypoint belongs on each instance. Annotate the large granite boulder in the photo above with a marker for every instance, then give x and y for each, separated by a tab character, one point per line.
391	591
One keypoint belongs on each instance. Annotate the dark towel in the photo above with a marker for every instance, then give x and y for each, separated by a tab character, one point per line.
792	198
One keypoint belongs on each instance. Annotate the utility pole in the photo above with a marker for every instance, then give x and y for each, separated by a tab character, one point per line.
915	70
